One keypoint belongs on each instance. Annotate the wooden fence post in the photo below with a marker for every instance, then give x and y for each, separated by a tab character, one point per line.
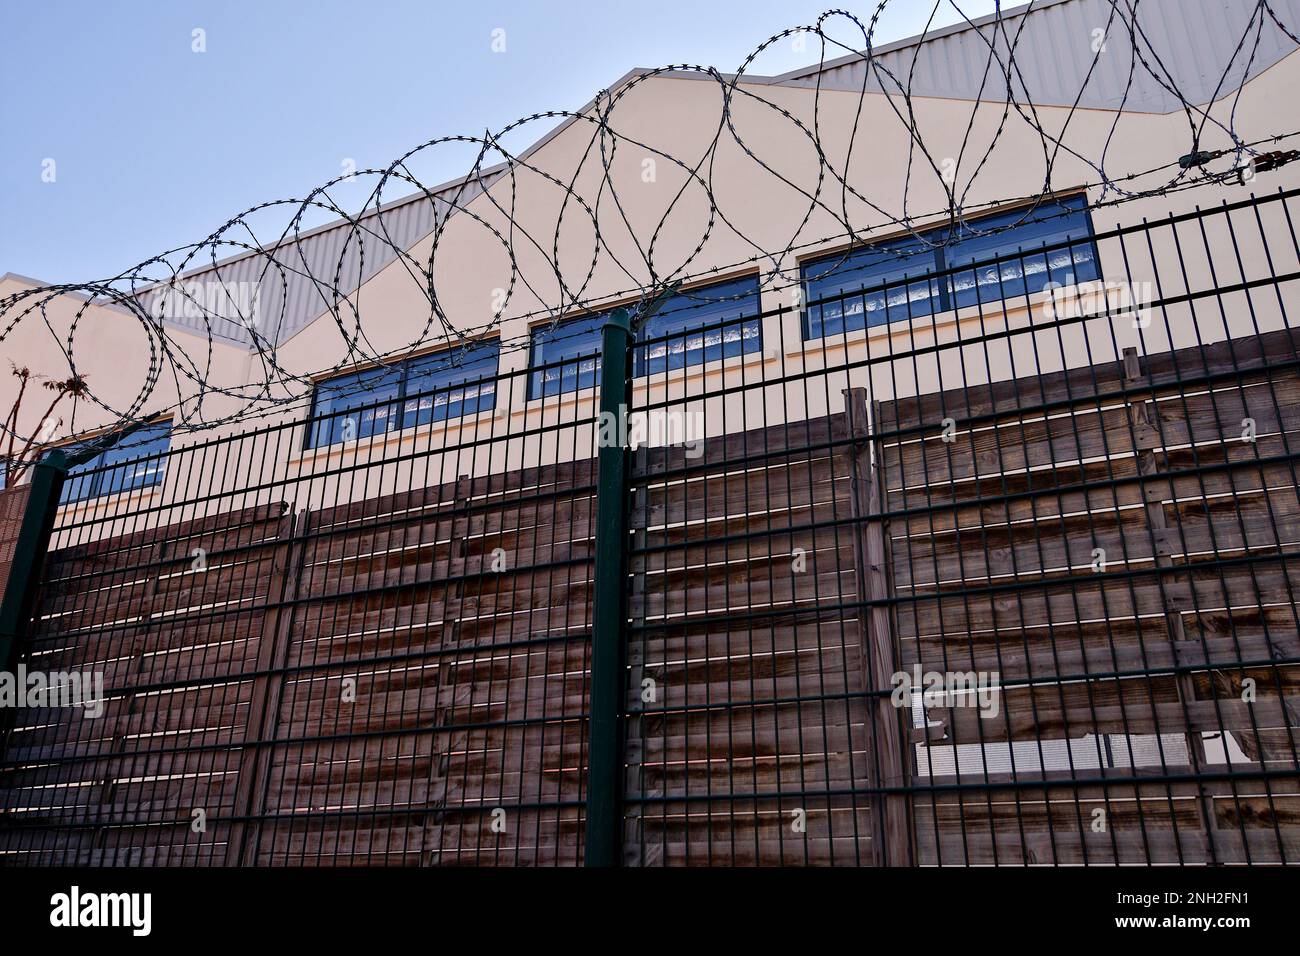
272	654
1175	589
891	836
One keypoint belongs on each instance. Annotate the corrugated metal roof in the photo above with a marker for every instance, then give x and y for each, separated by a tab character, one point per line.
295	280
1192	45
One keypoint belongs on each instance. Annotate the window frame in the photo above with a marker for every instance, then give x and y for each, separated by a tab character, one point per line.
946	296
326	423
641	362
395	407
414	362
1090	239
536	369
105	470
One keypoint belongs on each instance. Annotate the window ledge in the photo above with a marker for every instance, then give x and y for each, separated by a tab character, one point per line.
761	356
390	439
939	321
85	508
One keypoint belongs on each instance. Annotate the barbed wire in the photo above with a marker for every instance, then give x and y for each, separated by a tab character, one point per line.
186	328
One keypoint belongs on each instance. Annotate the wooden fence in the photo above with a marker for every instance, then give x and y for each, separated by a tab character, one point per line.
352	685
404	679
1124	556
1113	547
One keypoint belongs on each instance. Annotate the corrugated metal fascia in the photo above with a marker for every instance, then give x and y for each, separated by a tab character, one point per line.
1193	40
410	229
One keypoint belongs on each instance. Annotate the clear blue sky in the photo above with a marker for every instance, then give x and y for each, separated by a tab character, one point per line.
155	146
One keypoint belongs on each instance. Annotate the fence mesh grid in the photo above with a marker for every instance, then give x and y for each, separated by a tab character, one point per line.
1012	584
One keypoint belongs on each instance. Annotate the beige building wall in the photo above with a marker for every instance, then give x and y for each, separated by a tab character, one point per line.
760	216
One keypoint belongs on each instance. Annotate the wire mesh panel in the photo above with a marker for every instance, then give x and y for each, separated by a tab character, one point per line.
13	503
1008	582
371	650
175	652
1108	545
992	563
746	742
462	685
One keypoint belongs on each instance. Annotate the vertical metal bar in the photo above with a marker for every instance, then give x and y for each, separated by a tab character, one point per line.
19	595
18	598
604	838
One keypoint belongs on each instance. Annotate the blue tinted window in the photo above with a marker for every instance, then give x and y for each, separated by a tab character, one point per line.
884	268
80	482
356	406
892	263
140	461
574	344
1018	234
431	388
450	384
728	310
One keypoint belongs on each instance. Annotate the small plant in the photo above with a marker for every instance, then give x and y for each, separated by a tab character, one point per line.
20	454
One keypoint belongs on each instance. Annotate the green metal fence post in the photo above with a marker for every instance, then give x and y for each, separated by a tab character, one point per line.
29	553
45	486
604	841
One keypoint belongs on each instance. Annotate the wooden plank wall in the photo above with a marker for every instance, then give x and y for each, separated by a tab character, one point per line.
752	745
172	645
470	683
13	504
364	684
403	679
994	560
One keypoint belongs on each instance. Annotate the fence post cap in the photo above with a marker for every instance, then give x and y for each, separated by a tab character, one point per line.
619	318
55	458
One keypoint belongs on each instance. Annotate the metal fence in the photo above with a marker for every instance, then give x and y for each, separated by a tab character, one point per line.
355	654
1012	585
